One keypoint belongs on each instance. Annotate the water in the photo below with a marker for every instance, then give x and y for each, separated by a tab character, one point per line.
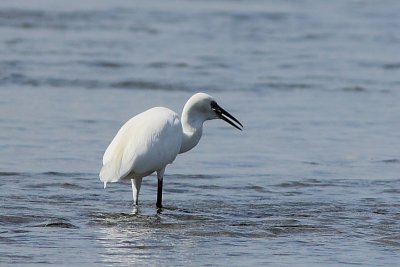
313	180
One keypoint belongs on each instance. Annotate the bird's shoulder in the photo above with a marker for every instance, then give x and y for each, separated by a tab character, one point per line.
154	119
162	113
157	118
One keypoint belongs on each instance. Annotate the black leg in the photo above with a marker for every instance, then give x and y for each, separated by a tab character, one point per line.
159	193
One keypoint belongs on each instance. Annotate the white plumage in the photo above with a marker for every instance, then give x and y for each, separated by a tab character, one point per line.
145	143
151	140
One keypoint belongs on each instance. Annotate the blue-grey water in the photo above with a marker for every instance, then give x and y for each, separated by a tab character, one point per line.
312	180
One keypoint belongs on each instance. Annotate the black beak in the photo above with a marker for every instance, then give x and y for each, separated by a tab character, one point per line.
223	114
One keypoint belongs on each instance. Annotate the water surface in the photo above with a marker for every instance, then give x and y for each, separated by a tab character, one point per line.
313	180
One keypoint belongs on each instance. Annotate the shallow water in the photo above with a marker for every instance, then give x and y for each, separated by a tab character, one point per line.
313	180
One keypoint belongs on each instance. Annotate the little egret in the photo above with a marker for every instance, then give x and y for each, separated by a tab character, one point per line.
151	140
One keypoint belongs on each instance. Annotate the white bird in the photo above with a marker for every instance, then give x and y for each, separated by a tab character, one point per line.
151	140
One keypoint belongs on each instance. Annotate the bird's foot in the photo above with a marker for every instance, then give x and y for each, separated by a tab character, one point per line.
159	207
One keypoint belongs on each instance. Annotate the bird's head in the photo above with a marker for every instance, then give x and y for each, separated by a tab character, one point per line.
206	106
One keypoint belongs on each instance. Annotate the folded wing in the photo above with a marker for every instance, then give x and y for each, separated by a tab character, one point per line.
144	144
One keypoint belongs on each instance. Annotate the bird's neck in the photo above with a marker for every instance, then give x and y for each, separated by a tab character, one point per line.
192	129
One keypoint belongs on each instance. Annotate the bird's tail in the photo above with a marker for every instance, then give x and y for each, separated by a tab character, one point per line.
108	174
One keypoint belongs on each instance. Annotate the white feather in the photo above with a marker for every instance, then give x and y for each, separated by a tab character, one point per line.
144	144
152	139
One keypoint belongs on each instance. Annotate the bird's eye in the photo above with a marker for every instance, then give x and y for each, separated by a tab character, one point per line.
213	105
